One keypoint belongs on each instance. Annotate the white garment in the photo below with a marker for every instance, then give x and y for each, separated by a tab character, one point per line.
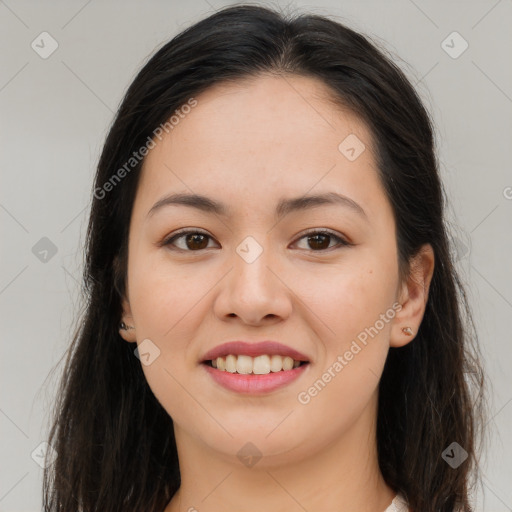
398	504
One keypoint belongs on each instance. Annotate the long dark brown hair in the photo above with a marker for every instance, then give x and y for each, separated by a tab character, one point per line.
114	441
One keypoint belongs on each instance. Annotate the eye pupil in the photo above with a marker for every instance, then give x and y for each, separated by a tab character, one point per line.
195	237
316	238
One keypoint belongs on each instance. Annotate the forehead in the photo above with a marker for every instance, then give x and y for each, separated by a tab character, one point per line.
258	137
281	110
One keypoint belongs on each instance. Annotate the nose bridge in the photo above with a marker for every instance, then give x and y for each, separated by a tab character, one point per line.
251	262
253	292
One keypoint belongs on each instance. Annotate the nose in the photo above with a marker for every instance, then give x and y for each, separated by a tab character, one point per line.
255	290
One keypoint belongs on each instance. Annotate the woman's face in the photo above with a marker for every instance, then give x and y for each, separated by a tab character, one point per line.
252	272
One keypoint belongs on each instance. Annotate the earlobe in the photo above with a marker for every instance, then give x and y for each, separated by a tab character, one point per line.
126	327
414	297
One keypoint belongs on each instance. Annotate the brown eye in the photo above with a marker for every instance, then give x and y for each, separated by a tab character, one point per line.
193	241
190	241
196	241
321	240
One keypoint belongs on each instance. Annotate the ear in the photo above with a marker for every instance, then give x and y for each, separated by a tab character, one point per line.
413	297
127	334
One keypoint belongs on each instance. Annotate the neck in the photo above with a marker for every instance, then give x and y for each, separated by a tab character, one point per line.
343	476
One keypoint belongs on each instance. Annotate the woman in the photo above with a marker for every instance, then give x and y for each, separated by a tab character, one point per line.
273	320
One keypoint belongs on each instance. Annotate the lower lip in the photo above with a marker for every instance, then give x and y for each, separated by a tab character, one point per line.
255	384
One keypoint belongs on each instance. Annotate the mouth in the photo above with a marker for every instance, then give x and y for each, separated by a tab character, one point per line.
260	365
254	368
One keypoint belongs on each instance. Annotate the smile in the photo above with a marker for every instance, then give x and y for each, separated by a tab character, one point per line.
259	365
254	375
254	367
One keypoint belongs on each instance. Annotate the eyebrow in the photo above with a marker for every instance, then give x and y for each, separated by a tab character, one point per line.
284	207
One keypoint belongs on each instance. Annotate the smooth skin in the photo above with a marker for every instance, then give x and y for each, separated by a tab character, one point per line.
248	145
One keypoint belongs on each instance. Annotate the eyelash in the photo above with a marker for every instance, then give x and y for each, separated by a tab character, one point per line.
341	241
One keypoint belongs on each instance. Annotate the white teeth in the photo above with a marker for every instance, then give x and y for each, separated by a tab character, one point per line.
287	363
259	365
231	363
244	364
276	363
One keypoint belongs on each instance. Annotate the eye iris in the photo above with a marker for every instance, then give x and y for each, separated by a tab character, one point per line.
316	239
195	237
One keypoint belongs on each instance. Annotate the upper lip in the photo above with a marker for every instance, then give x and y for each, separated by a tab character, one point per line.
253	349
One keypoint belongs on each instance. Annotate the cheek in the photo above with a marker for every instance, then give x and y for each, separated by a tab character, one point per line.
166	304
165	300
356	305
164	296
348	298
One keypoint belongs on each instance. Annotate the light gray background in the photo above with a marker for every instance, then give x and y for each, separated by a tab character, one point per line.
55	113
